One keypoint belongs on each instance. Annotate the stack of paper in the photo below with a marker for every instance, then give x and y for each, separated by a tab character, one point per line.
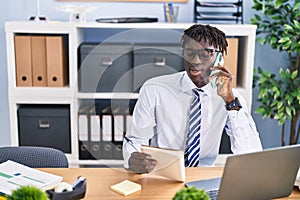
14	175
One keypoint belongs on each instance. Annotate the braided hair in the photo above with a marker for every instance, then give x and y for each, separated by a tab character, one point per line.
206	33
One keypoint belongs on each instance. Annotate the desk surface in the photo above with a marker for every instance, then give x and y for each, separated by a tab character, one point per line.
99	181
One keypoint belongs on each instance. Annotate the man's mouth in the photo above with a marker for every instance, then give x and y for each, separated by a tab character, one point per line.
195	71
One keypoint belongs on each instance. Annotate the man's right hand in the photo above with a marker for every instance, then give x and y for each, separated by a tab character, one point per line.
141	163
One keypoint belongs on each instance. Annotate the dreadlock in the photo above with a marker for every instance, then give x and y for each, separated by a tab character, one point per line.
205	33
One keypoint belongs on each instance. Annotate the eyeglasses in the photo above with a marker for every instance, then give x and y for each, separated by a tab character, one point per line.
204	54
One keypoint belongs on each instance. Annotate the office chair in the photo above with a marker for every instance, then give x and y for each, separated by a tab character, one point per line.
35	157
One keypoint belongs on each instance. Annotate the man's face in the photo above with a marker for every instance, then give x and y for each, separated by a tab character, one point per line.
198	59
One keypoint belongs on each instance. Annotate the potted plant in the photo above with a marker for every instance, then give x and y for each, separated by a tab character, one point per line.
28	193
191	193
278	24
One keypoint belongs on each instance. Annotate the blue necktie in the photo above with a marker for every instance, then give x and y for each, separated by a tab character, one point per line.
193	141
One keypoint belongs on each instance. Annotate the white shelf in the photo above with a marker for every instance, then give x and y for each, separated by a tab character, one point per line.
107	95
70	95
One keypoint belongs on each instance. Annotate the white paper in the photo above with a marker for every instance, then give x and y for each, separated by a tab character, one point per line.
14	175
170	163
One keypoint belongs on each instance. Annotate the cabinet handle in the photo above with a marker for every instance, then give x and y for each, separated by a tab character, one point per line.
106	61
160	61
44	123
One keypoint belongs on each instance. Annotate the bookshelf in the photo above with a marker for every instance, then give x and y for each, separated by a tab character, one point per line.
69	95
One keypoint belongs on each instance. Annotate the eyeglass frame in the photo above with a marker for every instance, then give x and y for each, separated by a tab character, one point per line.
198	53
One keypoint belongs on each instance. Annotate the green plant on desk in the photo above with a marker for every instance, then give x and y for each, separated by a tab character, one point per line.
191	193
27	193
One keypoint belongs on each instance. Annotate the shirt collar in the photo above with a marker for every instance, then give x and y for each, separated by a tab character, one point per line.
187	85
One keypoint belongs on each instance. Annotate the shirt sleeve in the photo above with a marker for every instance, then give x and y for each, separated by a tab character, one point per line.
130	145
242	131
143	124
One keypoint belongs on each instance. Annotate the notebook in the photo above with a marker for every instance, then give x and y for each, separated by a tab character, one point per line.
261	175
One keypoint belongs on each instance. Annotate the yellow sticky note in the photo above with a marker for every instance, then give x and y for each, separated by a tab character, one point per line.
2	198
126	187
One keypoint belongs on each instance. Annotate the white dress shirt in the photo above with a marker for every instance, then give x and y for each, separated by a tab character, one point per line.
161	116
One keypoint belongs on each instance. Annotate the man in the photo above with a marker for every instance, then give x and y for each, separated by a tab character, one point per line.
184	111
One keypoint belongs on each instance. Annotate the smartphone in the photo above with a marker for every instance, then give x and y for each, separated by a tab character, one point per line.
219	59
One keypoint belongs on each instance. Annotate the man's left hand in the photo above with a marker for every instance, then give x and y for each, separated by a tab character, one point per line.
224	83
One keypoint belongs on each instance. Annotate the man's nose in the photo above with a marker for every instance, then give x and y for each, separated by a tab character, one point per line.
196	59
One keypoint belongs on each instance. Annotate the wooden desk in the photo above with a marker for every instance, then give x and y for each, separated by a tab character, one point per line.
99	181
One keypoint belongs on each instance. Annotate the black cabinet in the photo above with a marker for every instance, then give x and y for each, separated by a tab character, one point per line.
125	67
45	125
151	60
105	67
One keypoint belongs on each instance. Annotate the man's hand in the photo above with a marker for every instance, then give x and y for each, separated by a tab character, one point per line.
141	163
224	83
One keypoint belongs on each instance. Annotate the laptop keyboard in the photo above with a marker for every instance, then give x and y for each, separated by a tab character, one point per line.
213	194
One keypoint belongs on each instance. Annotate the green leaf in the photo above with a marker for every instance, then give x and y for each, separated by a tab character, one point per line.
288	111
288	27
296	6
282	120
284	40
275	17
257	17
277	116
260	110
294	74
273	40
289	99
293	111
297	24
253	21
280	2
276	95
279	104
262	41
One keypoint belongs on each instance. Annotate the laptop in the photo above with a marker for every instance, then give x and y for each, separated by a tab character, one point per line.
260	175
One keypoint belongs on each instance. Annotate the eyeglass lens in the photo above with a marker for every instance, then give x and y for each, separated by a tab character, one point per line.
204	54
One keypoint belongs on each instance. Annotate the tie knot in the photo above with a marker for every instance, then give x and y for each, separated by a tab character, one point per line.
197	91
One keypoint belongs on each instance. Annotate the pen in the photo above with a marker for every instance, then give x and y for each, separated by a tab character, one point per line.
131	143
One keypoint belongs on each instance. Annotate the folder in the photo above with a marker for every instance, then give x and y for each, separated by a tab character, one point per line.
83	133
231	59
23	60
129	122
106	144
118	136
57	65
95	139
39	68
118	128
